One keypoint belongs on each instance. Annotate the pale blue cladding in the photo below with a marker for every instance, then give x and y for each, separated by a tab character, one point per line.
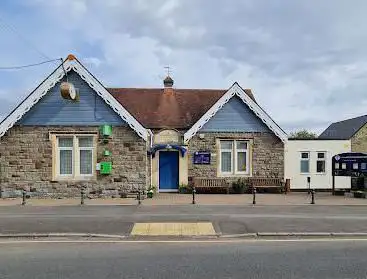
53	110
235	116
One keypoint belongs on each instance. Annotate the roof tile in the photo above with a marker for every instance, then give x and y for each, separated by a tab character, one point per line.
344	129
155	109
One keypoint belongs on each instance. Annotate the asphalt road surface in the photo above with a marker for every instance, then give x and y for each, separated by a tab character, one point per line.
328	259
226	219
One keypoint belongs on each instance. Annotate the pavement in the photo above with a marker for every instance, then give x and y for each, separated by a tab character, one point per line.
268	259
185	220
203	199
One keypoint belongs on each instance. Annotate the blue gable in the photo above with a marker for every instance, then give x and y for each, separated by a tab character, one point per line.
90	110
235	116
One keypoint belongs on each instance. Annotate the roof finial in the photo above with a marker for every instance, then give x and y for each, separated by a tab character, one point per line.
168	81
168	70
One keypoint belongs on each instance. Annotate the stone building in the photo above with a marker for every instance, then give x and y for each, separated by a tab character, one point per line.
71	131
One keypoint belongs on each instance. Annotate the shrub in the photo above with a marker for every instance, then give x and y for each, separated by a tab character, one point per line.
184	189
360	194
240	186
123	195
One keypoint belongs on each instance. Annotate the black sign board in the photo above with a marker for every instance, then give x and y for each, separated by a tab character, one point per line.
202	158
352	164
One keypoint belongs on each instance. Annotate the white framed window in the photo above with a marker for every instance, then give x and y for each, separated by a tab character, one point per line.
74	157
65	158
321	162
305	162
234	157
241	160
226	156
85	145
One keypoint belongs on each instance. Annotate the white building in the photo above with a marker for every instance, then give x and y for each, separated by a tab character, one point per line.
312	158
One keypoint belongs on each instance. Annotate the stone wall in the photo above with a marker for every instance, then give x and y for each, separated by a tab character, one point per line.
26	161
267	154
359	140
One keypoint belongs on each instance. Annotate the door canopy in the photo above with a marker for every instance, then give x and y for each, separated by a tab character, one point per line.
157	147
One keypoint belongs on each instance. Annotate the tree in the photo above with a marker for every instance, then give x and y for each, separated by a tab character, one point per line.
302	134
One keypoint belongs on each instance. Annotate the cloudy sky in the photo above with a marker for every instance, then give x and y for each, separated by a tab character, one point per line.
306	61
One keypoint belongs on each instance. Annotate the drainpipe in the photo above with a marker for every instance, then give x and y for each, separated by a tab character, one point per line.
151	145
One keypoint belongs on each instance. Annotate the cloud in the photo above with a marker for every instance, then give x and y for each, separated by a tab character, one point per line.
303	60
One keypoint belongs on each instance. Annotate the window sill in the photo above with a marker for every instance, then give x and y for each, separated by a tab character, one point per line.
315	173
74	179
234	175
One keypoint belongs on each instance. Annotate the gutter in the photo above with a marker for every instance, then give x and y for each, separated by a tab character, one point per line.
151	145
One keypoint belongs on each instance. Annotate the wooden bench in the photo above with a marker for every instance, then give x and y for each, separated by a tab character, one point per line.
210	183
267	183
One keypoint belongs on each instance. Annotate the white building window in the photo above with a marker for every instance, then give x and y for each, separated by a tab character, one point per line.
65	146
305	162
321	162
74	157
234	157
86	155
226	156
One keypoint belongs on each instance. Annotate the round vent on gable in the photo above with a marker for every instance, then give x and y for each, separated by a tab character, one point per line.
68	91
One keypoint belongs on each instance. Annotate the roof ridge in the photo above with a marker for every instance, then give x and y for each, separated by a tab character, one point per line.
352	118
161	88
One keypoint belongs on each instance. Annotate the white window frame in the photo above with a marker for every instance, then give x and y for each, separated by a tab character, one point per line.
321	159
59	149
78	149
304	159
76	175
234	156
236	171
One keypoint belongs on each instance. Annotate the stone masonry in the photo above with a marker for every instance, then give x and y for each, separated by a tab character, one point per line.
26	161
267	154
359	140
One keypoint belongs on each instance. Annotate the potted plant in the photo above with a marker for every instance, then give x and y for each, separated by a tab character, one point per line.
151	191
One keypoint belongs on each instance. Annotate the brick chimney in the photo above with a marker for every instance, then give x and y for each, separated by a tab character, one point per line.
168	85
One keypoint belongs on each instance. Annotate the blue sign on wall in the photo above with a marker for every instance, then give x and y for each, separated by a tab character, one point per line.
202	158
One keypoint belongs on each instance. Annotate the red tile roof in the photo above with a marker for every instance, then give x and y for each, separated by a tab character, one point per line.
154	108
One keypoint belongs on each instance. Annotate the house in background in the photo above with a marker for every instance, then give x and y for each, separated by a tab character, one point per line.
354	129
112	139
313	158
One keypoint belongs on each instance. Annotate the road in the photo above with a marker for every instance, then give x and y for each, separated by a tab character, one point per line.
226	219
328	259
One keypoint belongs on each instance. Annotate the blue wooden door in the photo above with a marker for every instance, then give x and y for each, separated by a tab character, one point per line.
168	170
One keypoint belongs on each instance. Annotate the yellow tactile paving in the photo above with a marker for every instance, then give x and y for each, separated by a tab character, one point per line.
177	229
